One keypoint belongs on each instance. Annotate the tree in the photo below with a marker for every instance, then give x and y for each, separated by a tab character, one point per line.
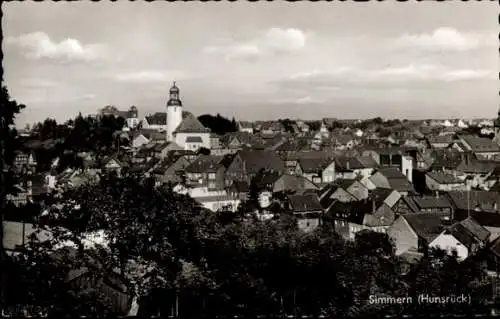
314	125
218	124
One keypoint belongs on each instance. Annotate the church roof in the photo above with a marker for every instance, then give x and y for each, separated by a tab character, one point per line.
190	124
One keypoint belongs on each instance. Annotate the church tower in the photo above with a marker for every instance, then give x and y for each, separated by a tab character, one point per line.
174	112
497	129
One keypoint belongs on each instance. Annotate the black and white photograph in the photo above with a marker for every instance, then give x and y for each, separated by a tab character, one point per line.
236	159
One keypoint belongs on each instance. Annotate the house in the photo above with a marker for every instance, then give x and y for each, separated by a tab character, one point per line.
271	127
245	164
113	164
392	178
439	205
414	232
156	121
344	141
171	169
307	209
30	189
25	160
369	214
477	172
292	183
191	134
343	190
206	171
483	148
352	167
465	238
443	182
215	200
132	120
139	140
317	170
161	150
440	141
483	206
239	189
446	160
402	158
245	127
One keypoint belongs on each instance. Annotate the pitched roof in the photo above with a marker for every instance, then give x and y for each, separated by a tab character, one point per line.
310	165
443	178
304	203
425	225
293	183
474	166
205	164
158	118
401	185
441	139
472	226
352	211
255	160
391	173
190	124
480	144
475	200
431	202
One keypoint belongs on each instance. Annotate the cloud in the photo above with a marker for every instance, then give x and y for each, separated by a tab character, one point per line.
306	100
38	45
38	83
274	41
149	76
446	39
410	76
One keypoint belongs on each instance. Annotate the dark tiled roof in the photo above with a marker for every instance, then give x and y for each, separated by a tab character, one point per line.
158	118
255	160
190	124
401	185
443	178
427	226
482	200
480	144
304	203
392	173
367	161
431	202
441	139
477	166
312	165
354	211
294	183
472	226
205	164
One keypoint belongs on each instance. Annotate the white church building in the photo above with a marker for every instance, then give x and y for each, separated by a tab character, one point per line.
180	126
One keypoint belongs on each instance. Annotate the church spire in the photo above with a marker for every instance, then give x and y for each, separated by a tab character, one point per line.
174	96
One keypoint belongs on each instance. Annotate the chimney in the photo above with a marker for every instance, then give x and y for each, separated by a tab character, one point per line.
347	166
374	206
437	194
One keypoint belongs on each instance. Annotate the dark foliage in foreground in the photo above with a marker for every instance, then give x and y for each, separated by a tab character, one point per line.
212	263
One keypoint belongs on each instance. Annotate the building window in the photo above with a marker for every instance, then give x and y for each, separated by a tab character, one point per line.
211	185
211	175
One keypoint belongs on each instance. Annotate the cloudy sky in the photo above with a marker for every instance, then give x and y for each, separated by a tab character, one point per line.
254	60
